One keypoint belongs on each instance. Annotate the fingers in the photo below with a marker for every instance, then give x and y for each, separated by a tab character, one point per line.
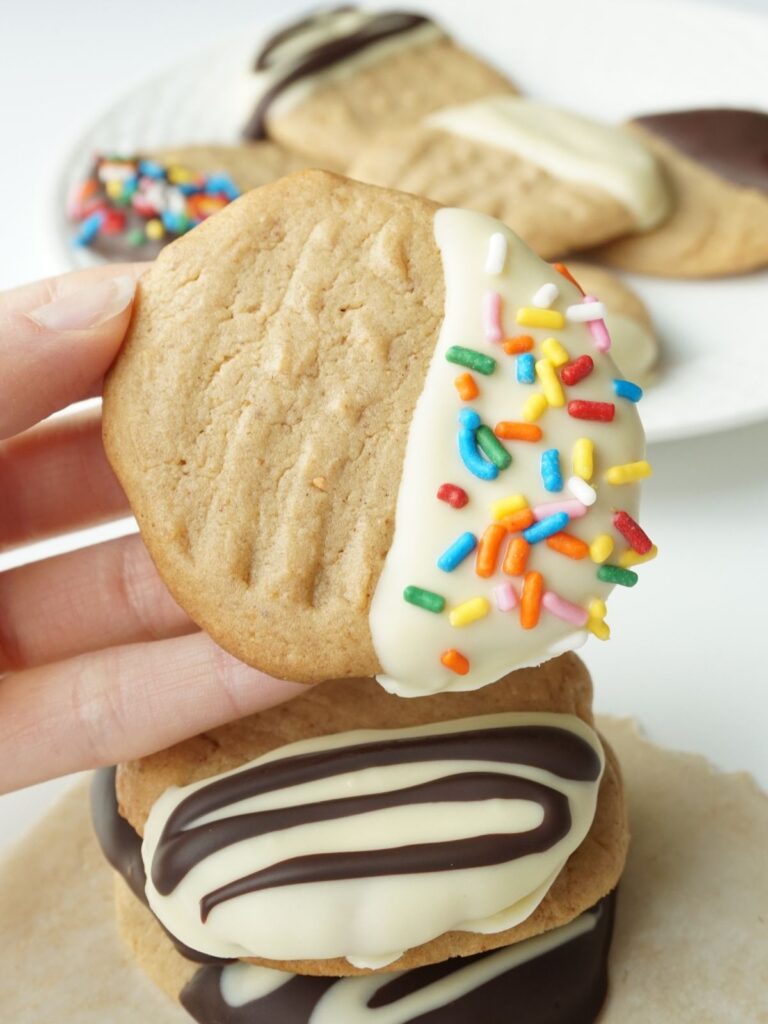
97	597
123	703
57	339
56	478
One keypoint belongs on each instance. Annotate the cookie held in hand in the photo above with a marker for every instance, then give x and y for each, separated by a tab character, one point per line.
364	435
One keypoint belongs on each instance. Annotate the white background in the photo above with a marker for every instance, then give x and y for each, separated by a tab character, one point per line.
687	656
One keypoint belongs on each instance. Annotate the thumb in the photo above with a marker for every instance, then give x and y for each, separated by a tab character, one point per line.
51	354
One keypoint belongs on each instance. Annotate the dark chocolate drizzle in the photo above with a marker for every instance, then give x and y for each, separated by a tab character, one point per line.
382	26
121	846
733	143
566	985
183	844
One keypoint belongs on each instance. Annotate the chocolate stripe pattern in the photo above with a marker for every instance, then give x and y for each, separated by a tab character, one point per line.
556	978
319	43
386	839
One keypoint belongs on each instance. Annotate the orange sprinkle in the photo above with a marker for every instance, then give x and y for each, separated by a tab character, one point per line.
455	661
516	556
488	550
467	387
518	521
562	269
530	600
514	346
509	431
568	545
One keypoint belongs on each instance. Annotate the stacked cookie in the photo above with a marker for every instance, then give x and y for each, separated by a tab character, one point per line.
405	453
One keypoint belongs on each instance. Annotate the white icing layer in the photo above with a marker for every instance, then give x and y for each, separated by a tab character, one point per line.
408	640
331	26
635	348
373	920
568	146
346	1002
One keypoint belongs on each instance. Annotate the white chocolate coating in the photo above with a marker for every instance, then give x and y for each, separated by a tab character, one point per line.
372	920
409	640
635	349
346	1002
568	146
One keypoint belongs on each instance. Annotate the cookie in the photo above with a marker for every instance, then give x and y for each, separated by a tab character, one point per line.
419	907
557	978
716	162
635	344
287	393
129	207
324	85
560	181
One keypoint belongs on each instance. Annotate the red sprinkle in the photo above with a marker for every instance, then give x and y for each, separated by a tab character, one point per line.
633	533
580	368
456	496
603	411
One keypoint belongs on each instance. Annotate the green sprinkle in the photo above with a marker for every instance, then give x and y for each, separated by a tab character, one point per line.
471	358
424	599
135	237
492	448
613	574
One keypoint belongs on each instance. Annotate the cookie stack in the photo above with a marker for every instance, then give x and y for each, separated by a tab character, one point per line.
403	467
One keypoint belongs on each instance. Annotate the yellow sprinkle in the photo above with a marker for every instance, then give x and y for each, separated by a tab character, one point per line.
599	629
114	188
630	557
506	506
555	352
584	458
601	548
628	473
154	229
550	382
597	608
469	612
529	316
534	407
180	175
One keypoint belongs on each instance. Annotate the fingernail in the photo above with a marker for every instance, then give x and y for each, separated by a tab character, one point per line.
87	307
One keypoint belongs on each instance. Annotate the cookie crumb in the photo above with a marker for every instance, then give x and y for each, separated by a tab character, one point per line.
320	483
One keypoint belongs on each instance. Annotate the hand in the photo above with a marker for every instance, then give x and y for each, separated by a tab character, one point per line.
97	662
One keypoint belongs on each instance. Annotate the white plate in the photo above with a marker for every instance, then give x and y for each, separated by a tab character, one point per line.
609	60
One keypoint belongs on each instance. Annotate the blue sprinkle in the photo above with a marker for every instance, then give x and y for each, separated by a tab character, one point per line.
627	389
550	470
546	527
89	228
470	456
457	552
526	369
189	188
222	183
151	169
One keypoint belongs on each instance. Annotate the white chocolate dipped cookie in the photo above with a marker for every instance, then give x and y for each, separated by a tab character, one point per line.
558	179
365	436
403	844
325	84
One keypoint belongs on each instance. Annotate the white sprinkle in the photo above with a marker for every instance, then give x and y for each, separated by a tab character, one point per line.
586	311
497	254
582	491
545	296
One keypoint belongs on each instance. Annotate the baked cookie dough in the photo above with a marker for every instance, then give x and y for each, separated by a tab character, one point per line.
425	884
363	435
324	85
716	163
130	207
635	348
561	181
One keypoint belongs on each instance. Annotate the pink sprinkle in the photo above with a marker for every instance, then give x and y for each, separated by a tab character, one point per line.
506	598
575	509
565	610
492	316
598	330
